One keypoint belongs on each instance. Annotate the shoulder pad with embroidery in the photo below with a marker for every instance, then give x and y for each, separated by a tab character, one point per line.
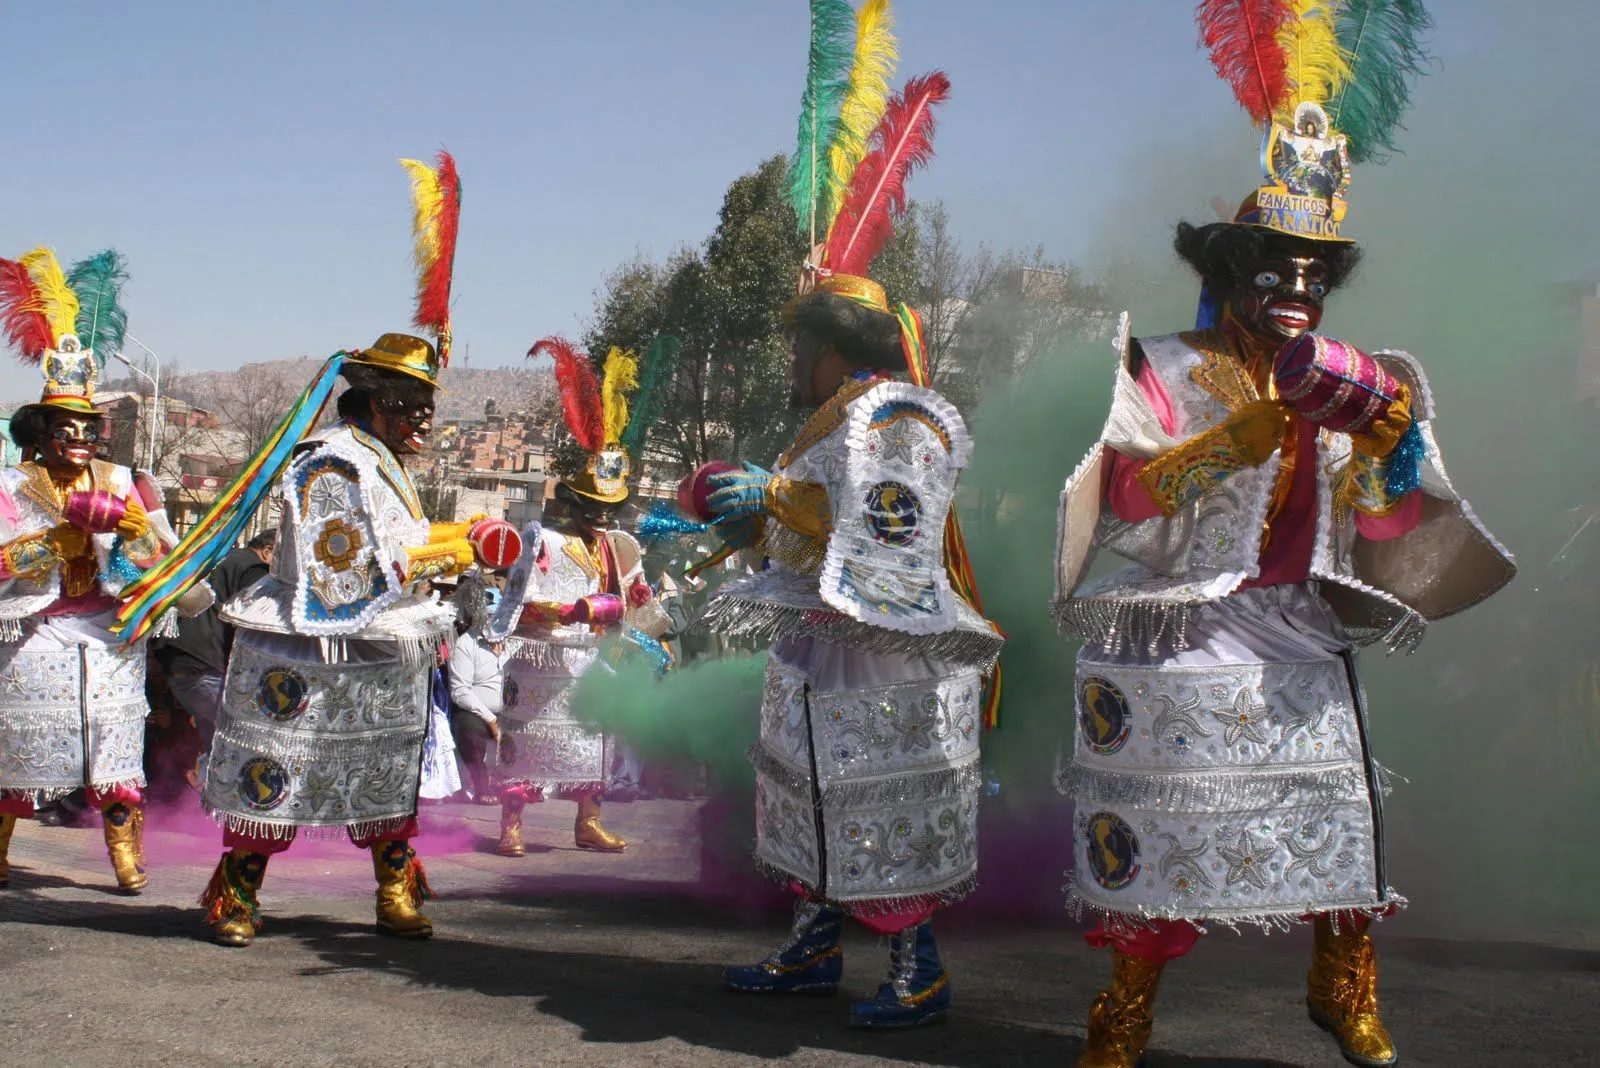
346	577
885	559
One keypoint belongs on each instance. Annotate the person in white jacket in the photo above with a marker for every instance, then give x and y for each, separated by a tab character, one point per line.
477	673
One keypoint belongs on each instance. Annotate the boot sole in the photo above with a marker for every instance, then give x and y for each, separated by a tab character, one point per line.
601	849
816	990
232	943
508	853
1325	1022
867	1023
415	936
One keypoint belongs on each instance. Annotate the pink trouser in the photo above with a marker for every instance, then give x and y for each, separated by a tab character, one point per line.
20	805
268	846
874	919
1166	940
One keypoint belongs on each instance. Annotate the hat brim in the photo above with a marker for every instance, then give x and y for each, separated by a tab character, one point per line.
398	369
73	405
620	497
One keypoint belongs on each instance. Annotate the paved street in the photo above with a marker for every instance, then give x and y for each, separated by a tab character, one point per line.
569	958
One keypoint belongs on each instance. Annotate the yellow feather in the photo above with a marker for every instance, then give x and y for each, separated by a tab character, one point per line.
428	200
864	100
621	378
1317	66
60	302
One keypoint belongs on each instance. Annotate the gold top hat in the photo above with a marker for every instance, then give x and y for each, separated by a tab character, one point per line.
1305	178
402	354
605	479
69	375
855	288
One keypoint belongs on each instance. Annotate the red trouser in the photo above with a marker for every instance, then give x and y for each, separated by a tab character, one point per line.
875	920
20	805
268	846
1165	940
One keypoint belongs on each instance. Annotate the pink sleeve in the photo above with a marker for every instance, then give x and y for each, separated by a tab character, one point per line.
1127	496
1130	501
1403	520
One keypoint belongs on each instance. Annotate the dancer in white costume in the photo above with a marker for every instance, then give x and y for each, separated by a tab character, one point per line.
73	531
1282	500
579	581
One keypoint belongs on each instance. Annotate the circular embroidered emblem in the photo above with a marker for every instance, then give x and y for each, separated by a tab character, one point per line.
1103	714
263	784
1113	851
893	513
282	694
338	545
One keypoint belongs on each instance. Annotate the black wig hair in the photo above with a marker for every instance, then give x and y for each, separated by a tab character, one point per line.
30	425
371	386
1228	255
861	335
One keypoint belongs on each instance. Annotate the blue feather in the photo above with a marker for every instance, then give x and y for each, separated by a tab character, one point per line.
664	521
102	322
657	652
1404	472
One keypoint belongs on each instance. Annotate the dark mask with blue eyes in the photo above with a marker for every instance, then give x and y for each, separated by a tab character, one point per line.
1283	299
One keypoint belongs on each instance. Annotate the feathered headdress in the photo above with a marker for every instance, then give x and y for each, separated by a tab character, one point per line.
858	143
66	323
596	408
1328	80
436	198
102	321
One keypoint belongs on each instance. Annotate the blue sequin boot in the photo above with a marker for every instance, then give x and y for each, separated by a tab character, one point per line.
810	962
917	991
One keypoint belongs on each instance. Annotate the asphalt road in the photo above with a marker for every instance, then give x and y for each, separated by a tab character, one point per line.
570	958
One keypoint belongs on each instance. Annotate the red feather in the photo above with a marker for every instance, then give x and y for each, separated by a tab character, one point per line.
1242	37
580	391
902	142
22	316
433	295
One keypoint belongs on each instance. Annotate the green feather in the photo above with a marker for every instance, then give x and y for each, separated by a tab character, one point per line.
1383	41
654	370
102	321
833	33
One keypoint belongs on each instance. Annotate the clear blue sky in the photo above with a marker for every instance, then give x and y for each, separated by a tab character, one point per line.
243	155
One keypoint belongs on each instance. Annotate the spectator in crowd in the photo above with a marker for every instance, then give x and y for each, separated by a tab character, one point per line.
440	778
477	672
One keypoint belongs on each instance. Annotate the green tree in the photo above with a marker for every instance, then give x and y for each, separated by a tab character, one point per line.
728	393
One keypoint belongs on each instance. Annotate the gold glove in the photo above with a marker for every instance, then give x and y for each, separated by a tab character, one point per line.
1245	439
441	532
135	522
800	506
439	559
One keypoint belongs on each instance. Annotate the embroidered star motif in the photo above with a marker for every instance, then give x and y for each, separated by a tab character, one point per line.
897	443
13	681
1247	863
318	790
1245	719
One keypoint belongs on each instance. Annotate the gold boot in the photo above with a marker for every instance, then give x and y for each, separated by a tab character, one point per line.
8	823
510	844
1342	993
1121	1017
230	898
402	886
587	832
123	842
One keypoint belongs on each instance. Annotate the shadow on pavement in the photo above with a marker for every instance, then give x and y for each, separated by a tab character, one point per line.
626	1000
